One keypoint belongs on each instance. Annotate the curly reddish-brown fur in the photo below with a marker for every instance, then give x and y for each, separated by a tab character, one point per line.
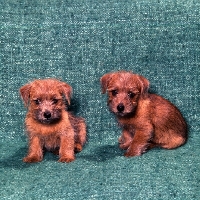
49	126
147	120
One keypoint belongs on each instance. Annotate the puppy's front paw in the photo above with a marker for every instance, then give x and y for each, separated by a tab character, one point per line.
124	146
133	152
32	159
66	159
136	150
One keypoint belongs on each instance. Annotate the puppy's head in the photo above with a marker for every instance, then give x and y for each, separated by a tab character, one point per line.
124	91
45	99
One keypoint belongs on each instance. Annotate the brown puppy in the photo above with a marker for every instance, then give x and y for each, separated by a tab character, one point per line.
49	126
147	120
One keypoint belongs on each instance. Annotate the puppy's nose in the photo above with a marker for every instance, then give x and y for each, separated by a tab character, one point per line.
120	107
47	114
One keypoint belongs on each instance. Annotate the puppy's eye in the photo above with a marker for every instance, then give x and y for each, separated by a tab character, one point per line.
131	94
37	101
54	101
114	92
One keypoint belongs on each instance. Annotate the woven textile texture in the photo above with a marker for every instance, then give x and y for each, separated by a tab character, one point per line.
79	41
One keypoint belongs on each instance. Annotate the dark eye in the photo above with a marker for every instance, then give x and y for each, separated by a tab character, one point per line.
131	94
114	92
37	101
55	101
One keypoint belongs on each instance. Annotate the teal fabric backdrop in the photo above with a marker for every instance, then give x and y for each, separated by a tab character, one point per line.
79	41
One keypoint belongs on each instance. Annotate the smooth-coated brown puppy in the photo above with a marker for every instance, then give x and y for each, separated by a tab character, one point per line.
147	120
49	126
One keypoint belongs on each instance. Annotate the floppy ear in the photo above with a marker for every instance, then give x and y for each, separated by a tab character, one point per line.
144	84
105	81
66	90
25	93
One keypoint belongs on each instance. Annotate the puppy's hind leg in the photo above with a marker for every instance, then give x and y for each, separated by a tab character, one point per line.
66	151
172	140
80	137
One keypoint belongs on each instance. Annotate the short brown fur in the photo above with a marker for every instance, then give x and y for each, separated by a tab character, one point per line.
147	120
49	126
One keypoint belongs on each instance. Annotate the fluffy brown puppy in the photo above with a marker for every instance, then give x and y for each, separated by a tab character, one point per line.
49	126
147	120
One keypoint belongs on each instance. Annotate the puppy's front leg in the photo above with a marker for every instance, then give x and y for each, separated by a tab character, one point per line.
66	151
140	141
35	153
125	139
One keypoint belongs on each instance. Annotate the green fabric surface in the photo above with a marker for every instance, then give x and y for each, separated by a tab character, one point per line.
79	41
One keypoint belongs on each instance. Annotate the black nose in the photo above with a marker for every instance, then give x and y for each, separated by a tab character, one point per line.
120	107
47	114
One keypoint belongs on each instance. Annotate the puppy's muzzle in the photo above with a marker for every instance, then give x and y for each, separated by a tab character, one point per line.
120	107
47	114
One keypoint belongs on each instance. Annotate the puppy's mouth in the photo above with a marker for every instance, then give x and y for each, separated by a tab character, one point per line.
49	121
121	111
124	114
47	117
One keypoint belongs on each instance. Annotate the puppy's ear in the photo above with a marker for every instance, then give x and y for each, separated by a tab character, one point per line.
144	84
25	93
105	81
66	90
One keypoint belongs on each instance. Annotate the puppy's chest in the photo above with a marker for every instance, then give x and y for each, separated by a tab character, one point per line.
35	128
51	142
41	131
